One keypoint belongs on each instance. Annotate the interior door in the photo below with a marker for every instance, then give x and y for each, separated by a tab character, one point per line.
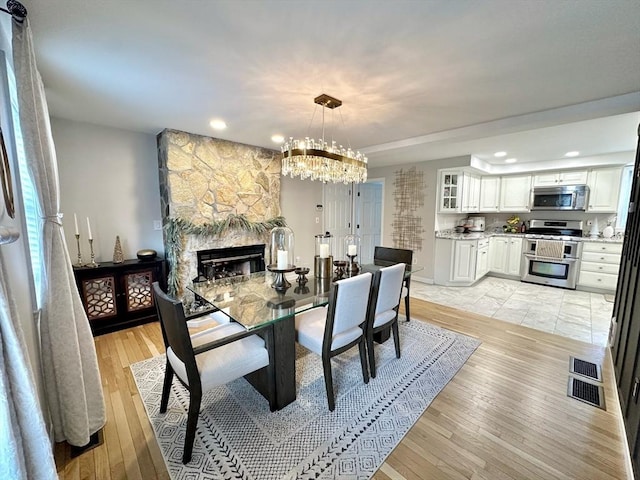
368	208
360	213
338	212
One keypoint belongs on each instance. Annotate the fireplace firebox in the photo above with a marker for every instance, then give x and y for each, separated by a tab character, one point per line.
228	262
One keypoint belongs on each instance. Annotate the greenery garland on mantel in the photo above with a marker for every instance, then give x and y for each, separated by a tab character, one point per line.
177	228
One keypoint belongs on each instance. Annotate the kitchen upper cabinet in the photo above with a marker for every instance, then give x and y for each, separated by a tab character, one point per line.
505	255
450	191
470	193
569	177
490	194
604	189
515	193
459	192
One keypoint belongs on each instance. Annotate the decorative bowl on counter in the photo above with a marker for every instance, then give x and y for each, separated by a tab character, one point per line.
146	254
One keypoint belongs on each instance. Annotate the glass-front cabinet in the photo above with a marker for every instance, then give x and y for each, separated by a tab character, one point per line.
450	197
459	192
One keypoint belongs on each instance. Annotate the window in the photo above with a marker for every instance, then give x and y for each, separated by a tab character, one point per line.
625	195
33	217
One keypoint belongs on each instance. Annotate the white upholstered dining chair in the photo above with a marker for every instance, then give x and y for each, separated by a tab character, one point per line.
331	330
206	359
383	308
390	256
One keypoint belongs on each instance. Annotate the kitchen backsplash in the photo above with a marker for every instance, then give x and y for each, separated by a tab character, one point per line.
497	220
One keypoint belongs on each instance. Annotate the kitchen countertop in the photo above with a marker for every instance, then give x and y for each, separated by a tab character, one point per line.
452	235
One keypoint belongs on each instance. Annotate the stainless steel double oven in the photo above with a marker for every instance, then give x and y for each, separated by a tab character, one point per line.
551	255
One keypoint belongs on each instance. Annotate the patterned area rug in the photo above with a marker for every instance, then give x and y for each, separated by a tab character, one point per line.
238	437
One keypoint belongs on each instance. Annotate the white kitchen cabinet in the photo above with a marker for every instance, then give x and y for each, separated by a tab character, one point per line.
455	262
490	194
604	189
505	255
458	192
599	265
464	261
514	255
568	177
450	191
482	258
498	247
515	193
470	193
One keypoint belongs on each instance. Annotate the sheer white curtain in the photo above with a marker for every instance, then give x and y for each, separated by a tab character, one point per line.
25	451
70	366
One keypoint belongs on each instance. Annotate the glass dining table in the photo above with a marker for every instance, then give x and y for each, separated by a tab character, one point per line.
251	301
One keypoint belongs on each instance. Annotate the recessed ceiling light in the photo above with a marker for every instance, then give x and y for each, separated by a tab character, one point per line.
218	124
277	138
572	153
511	160
500	154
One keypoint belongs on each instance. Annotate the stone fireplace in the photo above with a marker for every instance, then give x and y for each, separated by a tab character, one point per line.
205	180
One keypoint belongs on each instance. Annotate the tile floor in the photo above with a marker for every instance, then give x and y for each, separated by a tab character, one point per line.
571	313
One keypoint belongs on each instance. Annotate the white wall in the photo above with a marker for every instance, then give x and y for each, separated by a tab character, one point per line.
298	200
111	176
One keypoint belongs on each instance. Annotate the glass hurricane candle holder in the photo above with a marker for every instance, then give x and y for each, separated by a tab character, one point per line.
282	249
323	259
282	255
352	251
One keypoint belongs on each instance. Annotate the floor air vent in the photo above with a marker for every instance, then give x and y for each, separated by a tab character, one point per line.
586	392
586	369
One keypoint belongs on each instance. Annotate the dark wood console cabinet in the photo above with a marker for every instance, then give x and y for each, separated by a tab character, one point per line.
119	295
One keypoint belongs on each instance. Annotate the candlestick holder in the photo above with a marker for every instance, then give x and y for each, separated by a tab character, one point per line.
92	263
353	268
339	264
79	264
280	282
302	272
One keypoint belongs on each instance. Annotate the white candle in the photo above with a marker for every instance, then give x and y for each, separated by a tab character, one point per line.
352	250
89	229
324	250
283	257
75	220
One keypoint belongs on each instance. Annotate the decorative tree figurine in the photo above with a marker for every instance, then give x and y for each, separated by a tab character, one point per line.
118	257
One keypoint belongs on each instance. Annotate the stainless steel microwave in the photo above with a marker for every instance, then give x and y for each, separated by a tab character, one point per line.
568	197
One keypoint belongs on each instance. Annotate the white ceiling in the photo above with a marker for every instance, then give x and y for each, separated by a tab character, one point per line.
419	80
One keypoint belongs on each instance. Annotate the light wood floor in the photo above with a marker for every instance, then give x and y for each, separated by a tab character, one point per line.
505	415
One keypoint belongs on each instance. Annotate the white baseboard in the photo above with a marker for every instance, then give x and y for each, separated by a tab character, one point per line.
428	281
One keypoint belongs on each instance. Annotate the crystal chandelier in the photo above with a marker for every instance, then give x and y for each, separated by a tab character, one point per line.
318	160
